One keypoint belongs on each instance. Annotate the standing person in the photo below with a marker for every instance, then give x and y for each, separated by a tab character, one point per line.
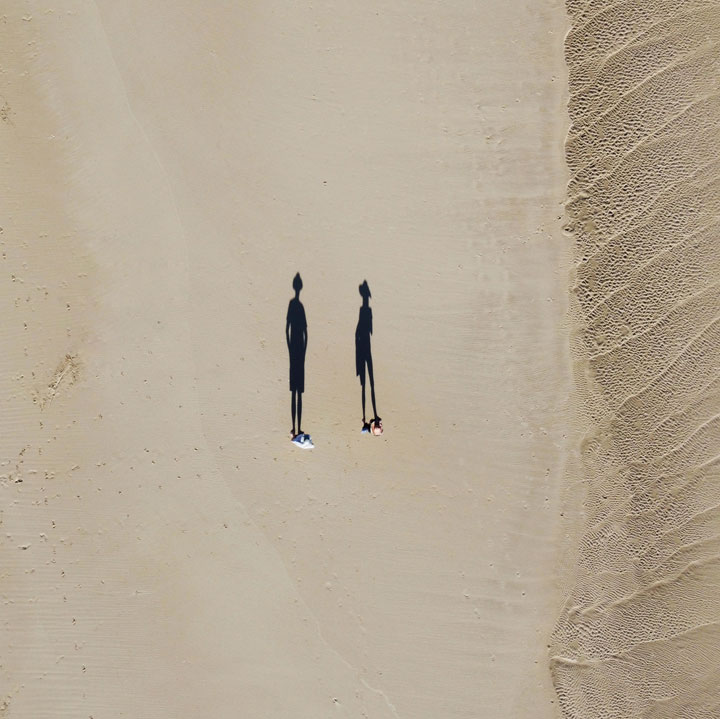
363	358
296	336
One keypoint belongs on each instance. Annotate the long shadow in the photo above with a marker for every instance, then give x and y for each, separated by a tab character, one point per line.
296	336
363	358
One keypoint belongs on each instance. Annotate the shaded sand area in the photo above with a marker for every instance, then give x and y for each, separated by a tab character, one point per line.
168	168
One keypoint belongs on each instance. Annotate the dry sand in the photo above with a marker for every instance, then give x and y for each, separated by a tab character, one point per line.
167	168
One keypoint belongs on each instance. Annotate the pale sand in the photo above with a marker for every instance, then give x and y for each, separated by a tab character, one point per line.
166	171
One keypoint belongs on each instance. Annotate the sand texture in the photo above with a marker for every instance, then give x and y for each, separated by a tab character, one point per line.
167	168
638	636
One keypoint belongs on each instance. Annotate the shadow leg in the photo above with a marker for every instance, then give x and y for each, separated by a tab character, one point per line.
372	386
362	390
292	410
299	411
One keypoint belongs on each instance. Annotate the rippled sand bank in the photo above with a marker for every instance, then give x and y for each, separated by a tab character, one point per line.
639	633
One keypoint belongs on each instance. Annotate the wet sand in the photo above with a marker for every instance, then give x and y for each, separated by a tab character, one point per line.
169	170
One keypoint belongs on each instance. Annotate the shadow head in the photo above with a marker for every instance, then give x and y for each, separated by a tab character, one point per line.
297	282
364	290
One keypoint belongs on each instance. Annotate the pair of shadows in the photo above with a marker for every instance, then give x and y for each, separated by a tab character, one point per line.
296	335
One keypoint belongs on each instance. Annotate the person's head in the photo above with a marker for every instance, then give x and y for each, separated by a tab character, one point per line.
364	290
297	283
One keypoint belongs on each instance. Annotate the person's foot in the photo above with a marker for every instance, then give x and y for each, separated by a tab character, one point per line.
365	428
303	441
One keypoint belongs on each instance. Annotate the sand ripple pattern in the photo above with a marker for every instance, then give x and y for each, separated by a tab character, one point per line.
639	635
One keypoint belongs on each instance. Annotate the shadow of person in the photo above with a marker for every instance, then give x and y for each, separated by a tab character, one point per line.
363	358
296	336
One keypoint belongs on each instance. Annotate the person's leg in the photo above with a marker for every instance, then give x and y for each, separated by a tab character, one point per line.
292	409
372	386
299	412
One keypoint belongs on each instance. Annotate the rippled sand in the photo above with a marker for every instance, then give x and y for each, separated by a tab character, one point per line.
638	636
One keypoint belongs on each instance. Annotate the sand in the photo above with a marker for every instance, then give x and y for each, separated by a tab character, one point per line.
167	169
638	634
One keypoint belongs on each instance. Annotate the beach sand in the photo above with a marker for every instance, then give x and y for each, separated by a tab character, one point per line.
167	169
638	634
